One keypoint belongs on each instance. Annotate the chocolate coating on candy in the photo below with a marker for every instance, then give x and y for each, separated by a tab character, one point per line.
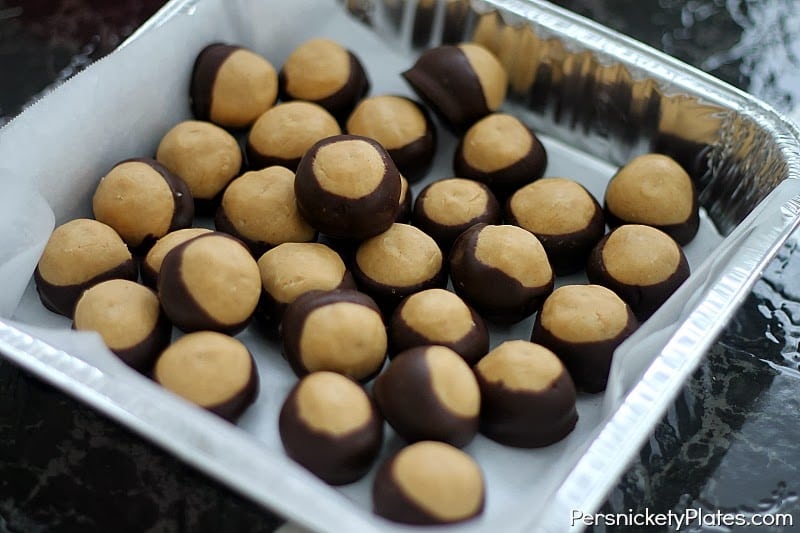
204	155
292	269
79	254
210	282
563	215
438	316
231	85
583	325
654	190
128	317
400	261
502	152
348	187
259	208
528	397
142	201
323	72
212	370
402	126
340	331
151	264
329	425
643	265
429	393
446	208
501	271
429	483
461	83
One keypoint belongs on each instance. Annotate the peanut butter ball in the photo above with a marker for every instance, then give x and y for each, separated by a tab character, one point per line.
151	264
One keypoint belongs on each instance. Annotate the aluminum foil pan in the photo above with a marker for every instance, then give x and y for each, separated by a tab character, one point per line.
595	93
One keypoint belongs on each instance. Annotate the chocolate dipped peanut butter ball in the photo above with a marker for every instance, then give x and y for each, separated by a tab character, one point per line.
396	263
231	86
324	72
501	270
151	264
330	426
502	152
210	282
204	155
446	208
212	370
348	187
642	264
79	254
340	331
429	483
527	396
583	325
653	189
285	132
438	316
259	208
400	125
406	202
142	201
461	83
429	393
292	269
563	215
128	317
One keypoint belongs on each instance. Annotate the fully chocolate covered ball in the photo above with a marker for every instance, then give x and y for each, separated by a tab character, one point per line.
563	215
212	370
79	254
643	265
528	397
232	86
501	271
461	83
429	483
583	325
348	187
210	282
654	190
128	317
151	264
340	331
142	201
329	425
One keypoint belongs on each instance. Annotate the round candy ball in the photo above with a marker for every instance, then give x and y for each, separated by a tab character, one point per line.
502	271
502	152
400	125
564	216
231	86
259	208
128	317
330	426
285	132
438	316
324	72
348	187
340	331
528	397
643	265
654	190
429	393
406	201
461	83
212	370
79	254
151	264
583	325
429	483
210	282
142	201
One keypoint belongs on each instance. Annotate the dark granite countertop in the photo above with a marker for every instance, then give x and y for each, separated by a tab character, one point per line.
729	443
